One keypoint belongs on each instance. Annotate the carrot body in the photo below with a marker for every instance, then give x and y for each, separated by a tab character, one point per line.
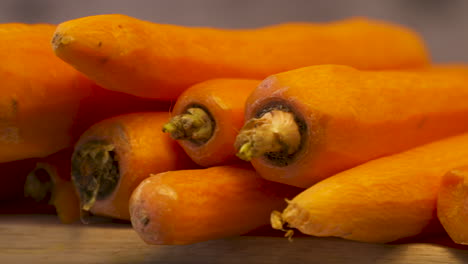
451	204
189	206
45	104
223	100
380	201
347	117
55	170
113	156
159	61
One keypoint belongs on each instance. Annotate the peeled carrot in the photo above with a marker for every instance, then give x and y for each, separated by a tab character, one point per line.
380	201
189	206
51	180
207	117
113	156
45	104
13	176
451	204
160	61
308	124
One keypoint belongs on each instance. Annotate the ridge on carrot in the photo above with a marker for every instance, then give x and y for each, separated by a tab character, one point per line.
160	61
207	117
305	125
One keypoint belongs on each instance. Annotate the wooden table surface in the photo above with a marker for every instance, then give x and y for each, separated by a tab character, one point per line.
42	239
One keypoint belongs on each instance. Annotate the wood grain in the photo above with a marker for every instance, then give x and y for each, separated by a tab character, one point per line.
41	239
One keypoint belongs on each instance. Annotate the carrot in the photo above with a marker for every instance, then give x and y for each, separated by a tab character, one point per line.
451	204
308	124
113	156
207	117
13	176
45	104
380	201
160	61
51	180
189	206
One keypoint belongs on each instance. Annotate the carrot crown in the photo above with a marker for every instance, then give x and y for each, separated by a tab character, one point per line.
95	172
196	125
275	133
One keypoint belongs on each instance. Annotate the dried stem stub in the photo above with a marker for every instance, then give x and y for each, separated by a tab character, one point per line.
275	131
195	124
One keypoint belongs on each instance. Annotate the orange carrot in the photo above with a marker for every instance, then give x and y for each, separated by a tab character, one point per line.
308	124
45	103
380	201
189	206
160	61
51	180
113	156
208	116
451	204
13	176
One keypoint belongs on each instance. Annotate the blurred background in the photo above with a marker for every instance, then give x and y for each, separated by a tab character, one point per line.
443	24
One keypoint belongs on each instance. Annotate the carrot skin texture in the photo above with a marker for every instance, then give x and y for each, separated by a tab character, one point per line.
451	204
141	148
354	116
46	104
171	58
224	99
380	201
189	206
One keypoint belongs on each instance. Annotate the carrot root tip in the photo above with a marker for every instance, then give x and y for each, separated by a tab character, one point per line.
275	132
195	125
95	172
277	222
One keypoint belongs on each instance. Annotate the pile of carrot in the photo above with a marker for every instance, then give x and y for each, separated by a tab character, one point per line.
343	129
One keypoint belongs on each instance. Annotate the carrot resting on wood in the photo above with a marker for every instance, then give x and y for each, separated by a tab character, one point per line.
113	156
160	61
207	117
452	204
45	104
308	124
51	181
189	206
380	201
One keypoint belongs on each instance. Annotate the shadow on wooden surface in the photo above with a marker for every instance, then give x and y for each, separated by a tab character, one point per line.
42	239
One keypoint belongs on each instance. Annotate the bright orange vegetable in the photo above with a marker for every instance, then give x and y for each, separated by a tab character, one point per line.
308	124
207	117
380	201
51	180
189	206
113	156
451	204
45	104
160	61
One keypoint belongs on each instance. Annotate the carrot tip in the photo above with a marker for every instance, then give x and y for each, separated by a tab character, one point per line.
195	125
277	222
274	132
95	172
